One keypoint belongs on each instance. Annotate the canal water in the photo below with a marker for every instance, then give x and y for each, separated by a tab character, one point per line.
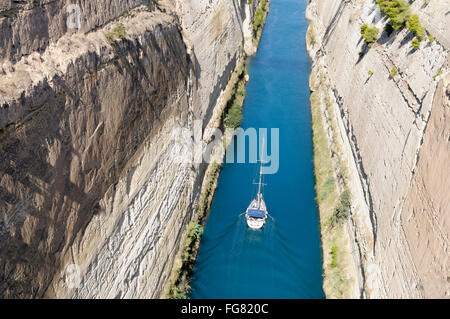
283	260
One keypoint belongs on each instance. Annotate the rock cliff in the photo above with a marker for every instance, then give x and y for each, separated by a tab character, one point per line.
91	203
395	138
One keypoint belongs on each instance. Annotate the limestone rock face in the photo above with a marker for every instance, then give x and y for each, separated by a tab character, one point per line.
91	202
399	137
426	214
32	25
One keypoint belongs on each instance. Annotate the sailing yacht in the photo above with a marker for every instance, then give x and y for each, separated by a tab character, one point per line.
256	213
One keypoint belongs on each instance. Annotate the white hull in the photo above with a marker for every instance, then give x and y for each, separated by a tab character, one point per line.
255	223
257	206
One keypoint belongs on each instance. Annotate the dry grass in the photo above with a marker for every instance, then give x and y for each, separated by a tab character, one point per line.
336	254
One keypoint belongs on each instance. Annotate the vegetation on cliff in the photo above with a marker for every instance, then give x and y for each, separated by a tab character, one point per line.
233	117
399	14
233	111
414	25
438	73
118	32
398	11
333	196
369	34
342	209
391	54
260	20
179	288
415	44
393	73
310	35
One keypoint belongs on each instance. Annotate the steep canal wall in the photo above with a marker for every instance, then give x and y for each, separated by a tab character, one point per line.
91	203
384	112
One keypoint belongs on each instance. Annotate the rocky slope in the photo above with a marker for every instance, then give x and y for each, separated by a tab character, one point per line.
395	138
91	202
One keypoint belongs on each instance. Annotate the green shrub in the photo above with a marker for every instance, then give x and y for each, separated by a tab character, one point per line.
393	73
431	38
345	200
234	116
327	189
364	28
259	16
263	4
334	251
313	39
118	32
370	72
241	91
414	25
369	34
196	231
259	19
399	14
439	72
179	289
177	294
342	209
398	11
416	43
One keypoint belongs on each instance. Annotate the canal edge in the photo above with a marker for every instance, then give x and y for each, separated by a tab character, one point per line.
342	277
178	284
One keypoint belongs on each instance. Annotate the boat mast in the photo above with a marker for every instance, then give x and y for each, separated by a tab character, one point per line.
260	171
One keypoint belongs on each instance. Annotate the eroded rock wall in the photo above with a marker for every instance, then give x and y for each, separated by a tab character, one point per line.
88	186
426	212
394	127
31	26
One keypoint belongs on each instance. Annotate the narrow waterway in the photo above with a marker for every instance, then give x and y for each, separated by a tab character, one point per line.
283	260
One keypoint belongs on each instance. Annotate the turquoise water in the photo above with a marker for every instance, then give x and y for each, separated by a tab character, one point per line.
283	260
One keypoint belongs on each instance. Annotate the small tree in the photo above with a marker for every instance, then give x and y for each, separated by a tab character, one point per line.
259	19
393	73
398	11
364	28
342	209
416	44
334	251
118	32
439	72
414	25
369	34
